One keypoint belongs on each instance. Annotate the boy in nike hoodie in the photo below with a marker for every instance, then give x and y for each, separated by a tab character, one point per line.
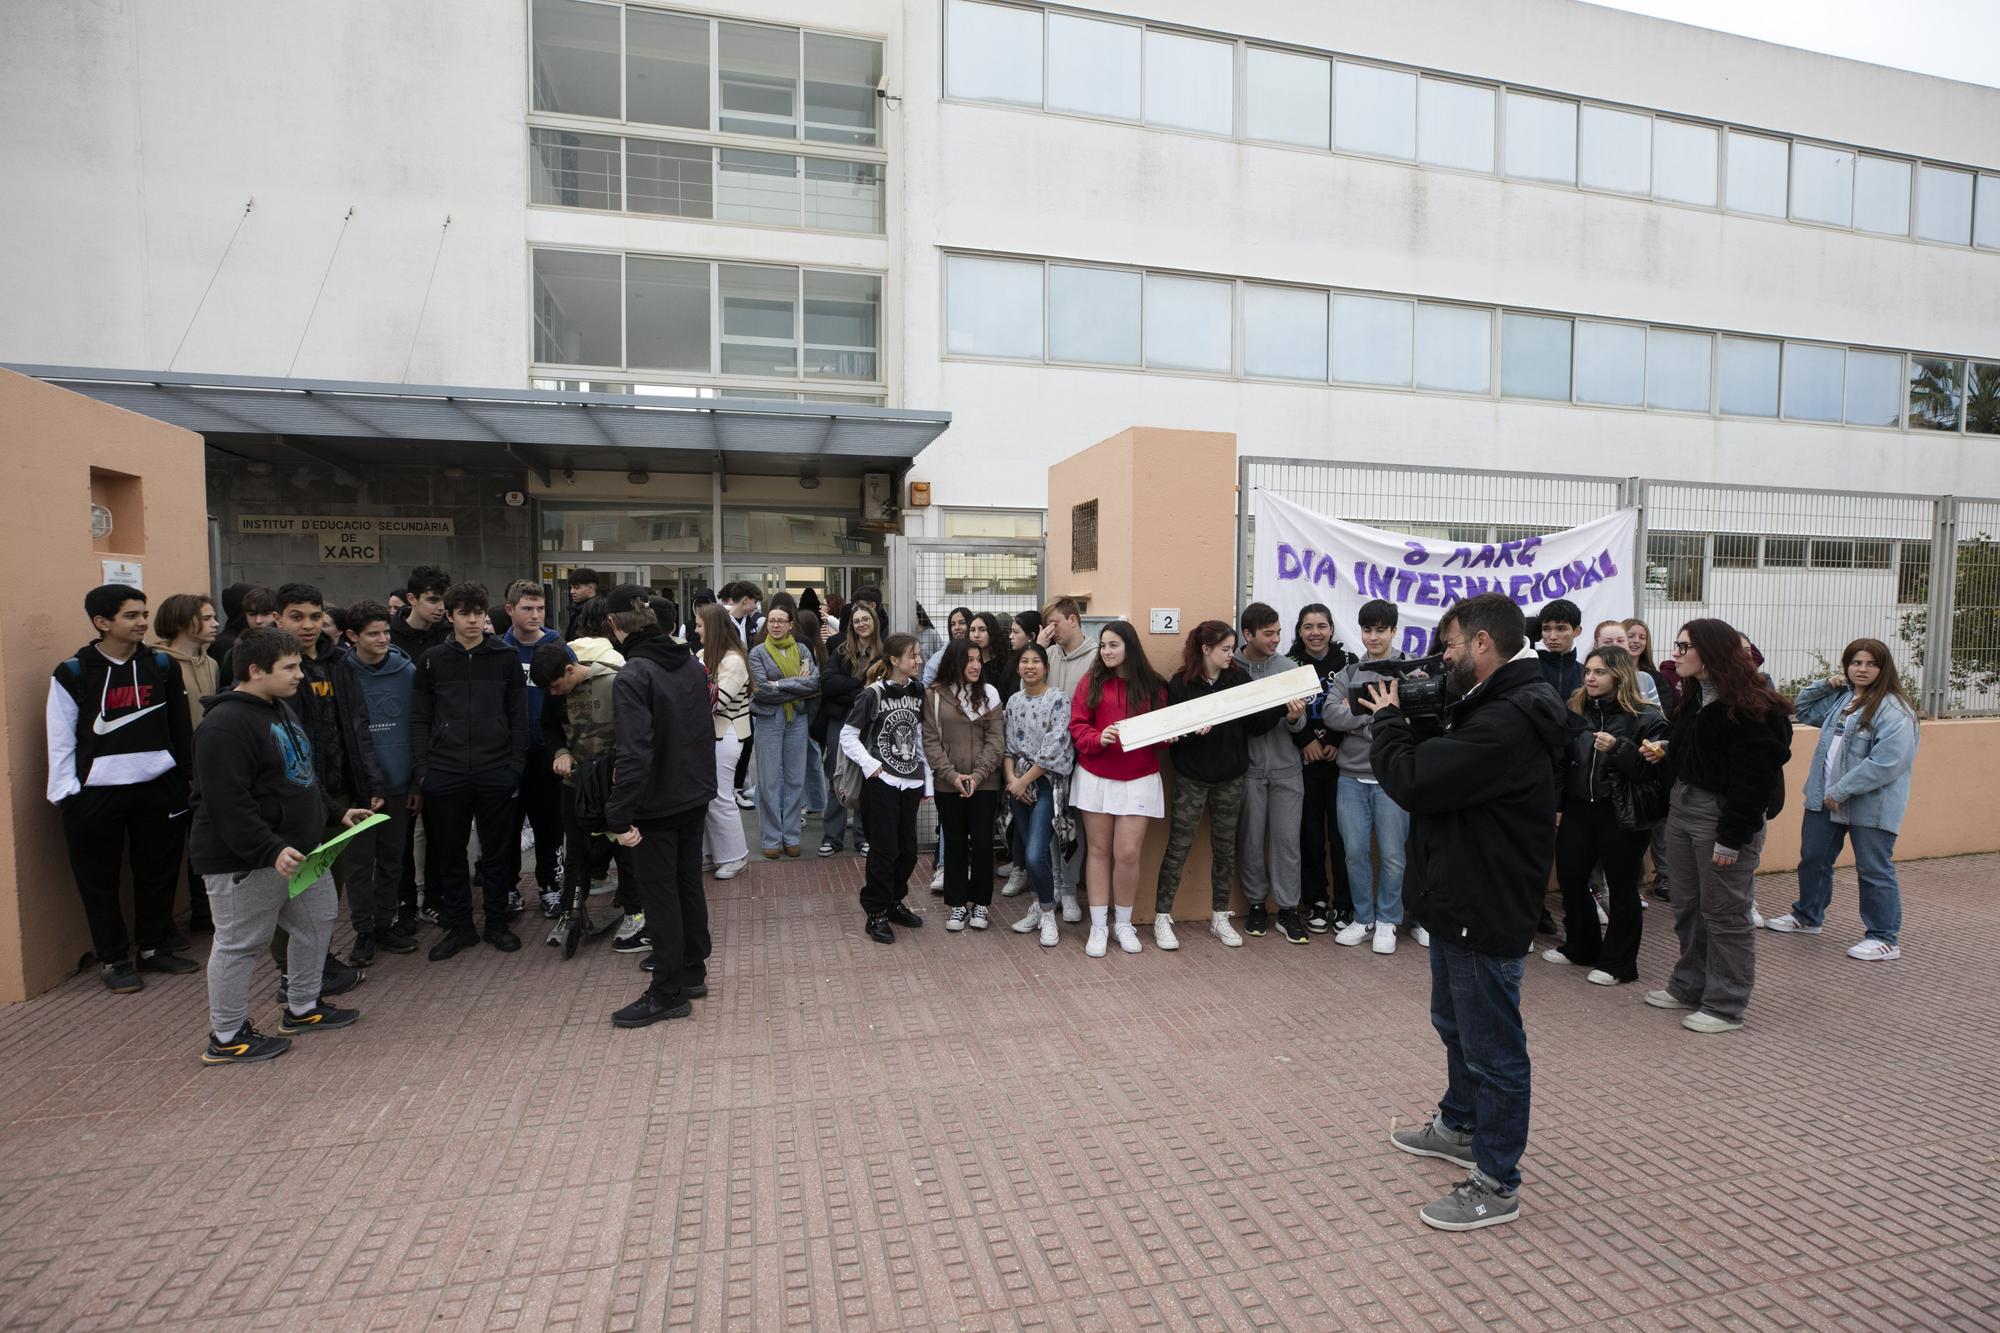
259	808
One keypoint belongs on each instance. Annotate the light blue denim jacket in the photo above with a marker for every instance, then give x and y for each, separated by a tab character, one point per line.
1873	781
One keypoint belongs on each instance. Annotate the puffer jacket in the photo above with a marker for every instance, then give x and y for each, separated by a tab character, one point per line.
1587	770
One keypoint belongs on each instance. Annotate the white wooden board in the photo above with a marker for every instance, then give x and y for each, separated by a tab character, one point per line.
1222	706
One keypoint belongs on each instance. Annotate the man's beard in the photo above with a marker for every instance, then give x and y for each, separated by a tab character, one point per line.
1461	676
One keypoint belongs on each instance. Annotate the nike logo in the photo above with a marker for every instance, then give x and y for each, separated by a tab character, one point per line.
103	728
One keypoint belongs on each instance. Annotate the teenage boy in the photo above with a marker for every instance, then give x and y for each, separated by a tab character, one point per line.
383	677
1070	657
578	726
118	738
663	778
259	609
582	587
1366	811
468	740
258	809
421	626
1274	793
540	803
1561	620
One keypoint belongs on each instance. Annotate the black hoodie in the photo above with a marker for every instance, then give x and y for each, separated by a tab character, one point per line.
1482	803
1224	753
664	736
255	788
468	716
416	642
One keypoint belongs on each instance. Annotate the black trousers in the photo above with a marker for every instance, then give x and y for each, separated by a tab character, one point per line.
1320	845
668	861
889	817
965	833
539	806
1590	837
449	817
743	760
99	823
580	861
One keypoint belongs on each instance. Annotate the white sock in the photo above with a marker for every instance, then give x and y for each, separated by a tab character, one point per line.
1124	916
301	1013
224	1038
1097	915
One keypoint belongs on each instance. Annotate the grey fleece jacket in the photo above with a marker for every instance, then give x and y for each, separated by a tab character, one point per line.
1356	729
1274	751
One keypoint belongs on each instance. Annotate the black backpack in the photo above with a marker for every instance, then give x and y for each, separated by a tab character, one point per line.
593	795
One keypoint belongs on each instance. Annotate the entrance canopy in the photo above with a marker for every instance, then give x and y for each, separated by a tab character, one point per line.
356	425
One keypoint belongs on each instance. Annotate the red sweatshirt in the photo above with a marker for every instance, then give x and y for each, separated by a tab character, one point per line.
1087	724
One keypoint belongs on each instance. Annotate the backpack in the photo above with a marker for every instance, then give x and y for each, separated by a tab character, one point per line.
593	795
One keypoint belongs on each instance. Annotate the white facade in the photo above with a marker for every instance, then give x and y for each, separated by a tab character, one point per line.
138	131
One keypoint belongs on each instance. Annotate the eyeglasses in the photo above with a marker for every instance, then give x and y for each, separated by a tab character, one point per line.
1682	646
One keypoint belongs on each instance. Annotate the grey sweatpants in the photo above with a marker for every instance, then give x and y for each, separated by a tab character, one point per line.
1267	846
1718	962
247	909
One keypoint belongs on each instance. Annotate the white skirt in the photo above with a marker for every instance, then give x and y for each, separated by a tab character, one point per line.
1108	796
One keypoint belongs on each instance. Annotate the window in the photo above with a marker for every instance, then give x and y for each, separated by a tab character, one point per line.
1986	226
1832	553
757	187
1615	151
843	322
1944	205
1454	349
677	180
1735	550
1454	125
666	314
1882	196
760	331
1371	340
1748	377
1187	324
1785	552
1374	110
576	308
1822	185
1684	162
1287	98
759	78
993	307
1756	175
1982	399
1284	333
1936	390
1913	573
1674	566
1534	356
576	58
1677	365
666	69
1541	139
843	195
841	76
1093	315
1083	536
1874	388
1093	67
993	53
573	170
1190	83
1873	555
1812	382
1610	363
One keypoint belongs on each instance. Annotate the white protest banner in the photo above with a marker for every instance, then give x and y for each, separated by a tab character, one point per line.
1302	557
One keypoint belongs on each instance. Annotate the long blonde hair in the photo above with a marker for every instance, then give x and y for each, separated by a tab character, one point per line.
1625	680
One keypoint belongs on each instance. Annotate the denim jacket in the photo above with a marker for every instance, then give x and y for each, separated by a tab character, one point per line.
1873	784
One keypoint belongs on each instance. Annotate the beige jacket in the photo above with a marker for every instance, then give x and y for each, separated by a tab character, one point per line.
955	743
201	676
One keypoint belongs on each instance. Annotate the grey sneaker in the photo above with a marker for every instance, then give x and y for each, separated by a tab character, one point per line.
1434	1139
1666	999
1473	1203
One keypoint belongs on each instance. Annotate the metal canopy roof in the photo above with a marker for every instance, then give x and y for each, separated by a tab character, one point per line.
361	424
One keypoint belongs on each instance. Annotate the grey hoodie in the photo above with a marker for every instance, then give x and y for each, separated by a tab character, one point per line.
1274	752
1355	729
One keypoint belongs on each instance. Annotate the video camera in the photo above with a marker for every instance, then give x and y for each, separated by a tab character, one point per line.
1423	686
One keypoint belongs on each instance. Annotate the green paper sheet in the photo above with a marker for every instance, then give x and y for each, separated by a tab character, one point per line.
320	859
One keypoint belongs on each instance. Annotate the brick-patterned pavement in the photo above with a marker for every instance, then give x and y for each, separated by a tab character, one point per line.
968	1131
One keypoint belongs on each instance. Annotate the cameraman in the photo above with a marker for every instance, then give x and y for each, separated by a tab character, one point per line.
1483	820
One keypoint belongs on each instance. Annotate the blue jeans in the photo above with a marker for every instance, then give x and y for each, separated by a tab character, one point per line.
815	776
781	776
1035	827
1365	809
1881	895
1476	1009
833	815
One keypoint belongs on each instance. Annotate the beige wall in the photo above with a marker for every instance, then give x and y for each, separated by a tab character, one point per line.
50	442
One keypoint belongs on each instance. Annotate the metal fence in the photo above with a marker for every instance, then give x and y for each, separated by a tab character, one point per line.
1802	572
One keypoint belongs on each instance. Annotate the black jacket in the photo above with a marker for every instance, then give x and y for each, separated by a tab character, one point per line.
1224	753
1563	672
417	642
1337	660
256	790
335	713
664	736
1742	762
1482	803
468	716
837	689
1587	772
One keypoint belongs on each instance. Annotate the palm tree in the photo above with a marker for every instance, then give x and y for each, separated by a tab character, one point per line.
1982	400
1934	392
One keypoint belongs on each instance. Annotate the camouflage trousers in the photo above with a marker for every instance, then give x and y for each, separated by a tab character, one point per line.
1224	803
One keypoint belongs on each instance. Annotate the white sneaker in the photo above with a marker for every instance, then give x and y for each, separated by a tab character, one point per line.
633	924
1421	936
1756	923
1094	946
981	918
1354	934
1599	977
1218	926
1163	933
937	880
1029	922
1385	937
1790	925
1555	956
1128	938
1015	883
1875	951
1050	936
956	921
731	869
1072	911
